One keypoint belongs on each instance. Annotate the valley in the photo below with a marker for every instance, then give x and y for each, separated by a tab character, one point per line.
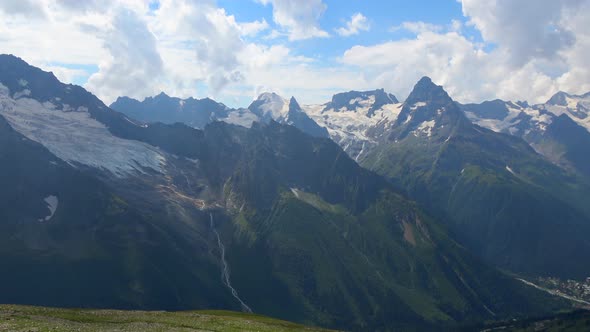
281	217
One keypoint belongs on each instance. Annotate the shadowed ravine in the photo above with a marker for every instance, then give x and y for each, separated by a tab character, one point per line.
225	269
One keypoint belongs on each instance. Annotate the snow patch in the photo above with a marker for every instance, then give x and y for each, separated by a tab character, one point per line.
241	117
295	192
52	203
572	103
501	125
425	128
510	170
418	105
24	93
361	152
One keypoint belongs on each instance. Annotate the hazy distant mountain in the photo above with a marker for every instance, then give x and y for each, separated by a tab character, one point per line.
558	129
272	107
575	106
198	113
265	218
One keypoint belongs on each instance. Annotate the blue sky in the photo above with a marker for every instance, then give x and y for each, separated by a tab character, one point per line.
382	15
232	50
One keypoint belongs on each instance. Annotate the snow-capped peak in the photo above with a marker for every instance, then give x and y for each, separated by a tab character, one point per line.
576	107
270	105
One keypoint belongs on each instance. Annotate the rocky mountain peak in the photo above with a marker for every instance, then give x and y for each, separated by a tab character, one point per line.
427	92
294	105
559	99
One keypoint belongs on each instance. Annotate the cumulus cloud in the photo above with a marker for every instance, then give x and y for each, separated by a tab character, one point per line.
86	5
202	43
468	73
524	29
417	27
299	18
530	50
358	22
253	28
448	58
29	8
134	66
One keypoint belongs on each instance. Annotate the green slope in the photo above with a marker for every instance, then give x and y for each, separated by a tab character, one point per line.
345	249
40	319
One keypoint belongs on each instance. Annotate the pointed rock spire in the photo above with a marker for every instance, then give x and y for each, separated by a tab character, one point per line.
294	105
426	91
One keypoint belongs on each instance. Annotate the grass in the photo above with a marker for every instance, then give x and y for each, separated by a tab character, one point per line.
42	319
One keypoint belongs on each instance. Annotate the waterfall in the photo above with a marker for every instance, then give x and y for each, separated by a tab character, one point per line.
225	269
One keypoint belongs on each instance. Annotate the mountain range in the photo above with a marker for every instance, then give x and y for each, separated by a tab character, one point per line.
558	129
363	213
437	151
356	119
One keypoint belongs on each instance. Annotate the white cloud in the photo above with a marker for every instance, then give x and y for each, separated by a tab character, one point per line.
467	72
417	27
194	48
201	43
28	8
358	22
448	58
67	74
85	5
300	18
253	28
524	29
551	36
134	66
536	52
59	38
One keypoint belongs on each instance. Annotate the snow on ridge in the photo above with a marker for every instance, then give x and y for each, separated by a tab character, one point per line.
577	109
539	118
240	117
425	128
52	203
352	125
572	102
75	137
